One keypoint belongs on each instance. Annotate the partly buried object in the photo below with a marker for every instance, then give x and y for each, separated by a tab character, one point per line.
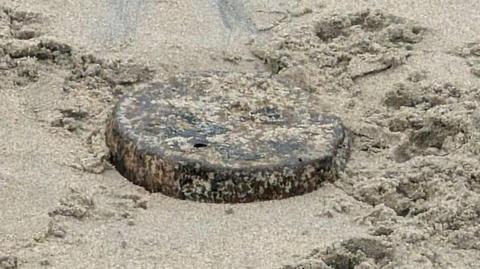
225	137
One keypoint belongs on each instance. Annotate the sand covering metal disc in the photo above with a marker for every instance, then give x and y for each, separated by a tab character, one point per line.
225	137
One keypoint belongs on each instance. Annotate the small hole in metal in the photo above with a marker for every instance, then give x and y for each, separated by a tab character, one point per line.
200	145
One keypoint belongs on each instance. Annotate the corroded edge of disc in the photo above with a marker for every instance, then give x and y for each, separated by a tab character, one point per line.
196	181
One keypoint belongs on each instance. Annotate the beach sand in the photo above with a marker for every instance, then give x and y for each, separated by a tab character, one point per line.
403	75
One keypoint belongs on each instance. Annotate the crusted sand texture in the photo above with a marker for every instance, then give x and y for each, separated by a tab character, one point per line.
90	86
471	52
334	51
416	141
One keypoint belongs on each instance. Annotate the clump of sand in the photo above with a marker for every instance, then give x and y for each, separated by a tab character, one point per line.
333	52
415	143
471	52
91	86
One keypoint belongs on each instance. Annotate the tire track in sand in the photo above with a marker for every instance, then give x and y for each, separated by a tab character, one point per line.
235	17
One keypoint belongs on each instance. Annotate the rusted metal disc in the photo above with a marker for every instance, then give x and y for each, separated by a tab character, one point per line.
225	137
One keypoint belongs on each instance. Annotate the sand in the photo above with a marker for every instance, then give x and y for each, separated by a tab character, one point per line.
404	79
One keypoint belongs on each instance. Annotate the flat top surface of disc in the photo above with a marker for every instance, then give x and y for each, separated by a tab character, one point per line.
228	120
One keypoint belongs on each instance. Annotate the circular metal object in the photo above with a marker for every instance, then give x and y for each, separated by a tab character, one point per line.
225	137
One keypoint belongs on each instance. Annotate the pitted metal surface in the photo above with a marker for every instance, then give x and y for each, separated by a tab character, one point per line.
225	137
